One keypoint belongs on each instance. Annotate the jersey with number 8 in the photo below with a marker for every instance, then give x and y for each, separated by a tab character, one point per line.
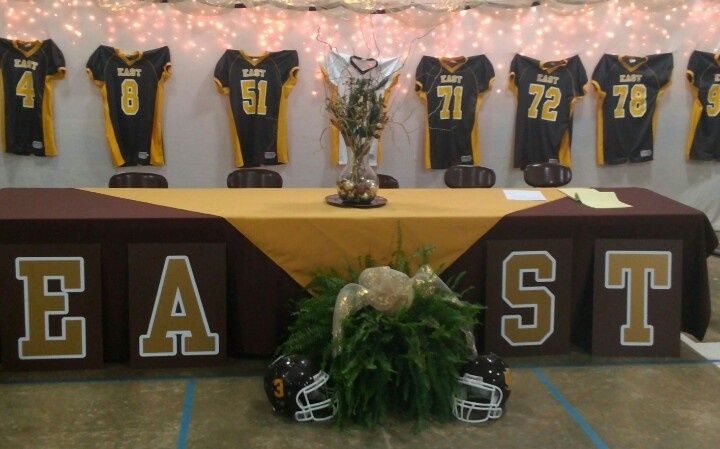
703	72
546	91
628	87
132	87
27	73
258	87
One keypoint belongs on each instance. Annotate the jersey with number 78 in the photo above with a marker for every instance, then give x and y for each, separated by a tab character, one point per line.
132	87
628	87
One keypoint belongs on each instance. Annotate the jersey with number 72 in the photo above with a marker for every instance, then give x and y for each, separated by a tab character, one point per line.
546	92
132	87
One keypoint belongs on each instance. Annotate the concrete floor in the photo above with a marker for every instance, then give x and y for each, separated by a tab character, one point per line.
570	402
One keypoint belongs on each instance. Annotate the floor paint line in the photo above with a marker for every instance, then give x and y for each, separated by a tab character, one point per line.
572	411
711	351
187	414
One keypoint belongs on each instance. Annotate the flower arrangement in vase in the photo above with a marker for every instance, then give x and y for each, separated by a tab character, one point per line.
359	114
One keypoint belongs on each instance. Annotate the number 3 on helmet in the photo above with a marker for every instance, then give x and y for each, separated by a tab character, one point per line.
297	389
484	388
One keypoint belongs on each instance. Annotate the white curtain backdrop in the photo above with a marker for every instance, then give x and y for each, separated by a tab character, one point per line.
197	141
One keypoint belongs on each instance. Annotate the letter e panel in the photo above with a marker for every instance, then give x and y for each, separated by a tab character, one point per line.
51	307
528	297
637	298
177	304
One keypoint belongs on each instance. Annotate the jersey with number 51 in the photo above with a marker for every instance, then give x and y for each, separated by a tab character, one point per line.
258	88
27	72
628	87
546	92
132	87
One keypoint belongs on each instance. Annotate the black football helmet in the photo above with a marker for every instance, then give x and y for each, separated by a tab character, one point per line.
484	388
297	389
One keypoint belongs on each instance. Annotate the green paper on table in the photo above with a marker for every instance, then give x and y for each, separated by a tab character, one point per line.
595	199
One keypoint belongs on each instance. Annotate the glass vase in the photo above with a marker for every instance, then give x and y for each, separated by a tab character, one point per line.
357	182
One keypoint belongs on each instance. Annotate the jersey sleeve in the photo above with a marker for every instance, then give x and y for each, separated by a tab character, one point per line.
514	70
55	60
292	65
421	75
96	64
579	77
222	73
161	62
600	74
485	74
694	67
663	68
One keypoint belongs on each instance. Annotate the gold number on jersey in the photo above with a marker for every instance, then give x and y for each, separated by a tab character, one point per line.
26	90
129	100
552	100
638	100
713	107
447	93
254	103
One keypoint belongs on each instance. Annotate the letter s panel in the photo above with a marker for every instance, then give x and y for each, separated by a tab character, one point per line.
528	297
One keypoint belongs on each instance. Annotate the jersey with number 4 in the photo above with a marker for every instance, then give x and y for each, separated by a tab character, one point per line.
27	72
628	87
703	72
258	87
546	92
452	89
132	87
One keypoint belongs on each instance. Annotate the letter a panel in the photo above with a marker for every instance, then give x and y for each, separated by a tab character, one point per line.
51	307
636	298
528	297
177	304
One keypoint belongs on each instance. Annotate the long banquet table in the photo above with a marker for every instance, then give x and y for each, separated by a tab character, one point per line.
276	238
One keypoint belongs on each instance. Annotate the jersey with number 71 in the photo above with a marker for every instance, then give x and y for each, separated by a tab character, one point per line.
132	87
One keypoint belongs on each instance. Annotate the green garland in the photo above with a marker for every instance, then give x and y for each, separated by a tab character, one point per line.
406	364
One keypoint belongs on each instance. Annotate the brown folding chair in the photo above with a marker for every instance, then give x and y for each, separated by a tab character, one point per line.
388	182
138	180
547	174
254	177
469	176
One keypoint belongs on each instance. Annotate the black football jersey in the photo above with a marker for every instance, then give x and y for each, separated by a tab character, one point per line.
132	87
452	88
628	87
546	92
703	72
258	87
27	72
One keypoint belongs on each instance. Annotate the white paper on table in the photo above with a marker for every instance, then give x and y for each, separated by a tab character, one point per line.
524	195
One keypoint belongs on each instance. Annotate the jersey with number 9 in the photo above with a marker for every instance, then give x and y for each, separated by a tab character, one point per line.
258	87
546	92
703	72
132	87
27	72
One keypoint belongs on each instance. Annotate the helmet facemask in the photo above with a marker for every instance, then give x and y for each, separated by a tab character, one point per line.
316	400
477	401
